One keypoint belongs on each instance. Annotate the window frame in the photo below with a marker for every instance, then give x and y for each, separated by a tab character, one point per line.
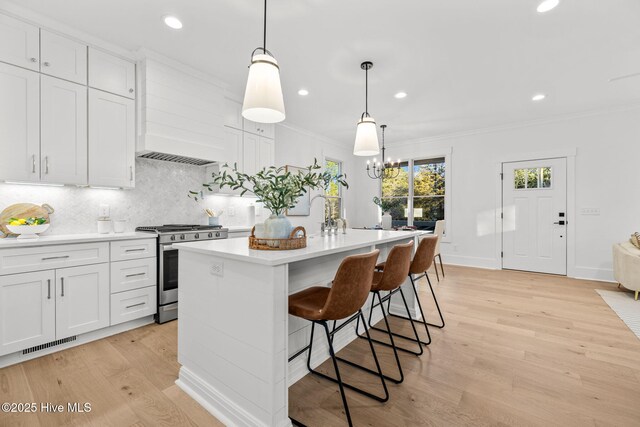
339	197
447	236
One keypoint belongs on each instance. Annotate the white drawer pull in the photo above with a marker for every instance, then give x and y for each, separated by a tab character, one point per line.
136	305
55	257
136	274
135	250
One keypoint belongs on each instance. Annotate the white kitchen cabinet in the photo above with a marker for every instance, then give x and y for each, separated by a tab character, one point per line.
27	310
251	154
111	140
63	58
233	114
19	123
266	153
63	143
19	43
266	130
111	74
233	140
134	304
82	299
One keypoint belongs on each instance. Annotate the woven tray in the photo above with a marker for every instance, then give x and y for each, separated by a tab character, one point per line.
292	242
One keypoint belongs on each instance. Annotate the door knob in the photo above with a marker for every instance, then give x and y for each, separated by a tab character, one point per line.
34	60
46	64
559	223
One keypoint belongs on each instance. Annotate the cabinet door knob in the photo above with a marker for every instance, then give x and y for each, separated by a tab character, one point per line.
62	286
46	64
33	59
131	90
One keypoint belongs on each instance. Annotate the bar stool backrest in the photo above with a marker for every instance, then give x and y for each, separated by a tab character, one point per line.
351	286
438	231
396	267
423	258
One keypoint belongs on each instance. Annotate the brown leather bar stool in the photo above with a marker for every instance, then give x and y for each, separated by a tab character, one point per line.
390	280
348	293
422	261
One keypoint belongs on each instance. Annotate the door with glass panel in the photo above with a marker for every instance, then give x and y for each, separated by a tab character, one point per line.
534	207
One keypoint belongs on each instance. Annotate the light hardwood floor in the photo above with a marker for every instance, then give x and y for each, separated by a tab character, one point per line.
518	349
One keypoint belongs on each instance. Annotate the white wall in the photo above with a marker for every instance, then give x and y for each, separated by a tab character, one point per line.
607	176
297	147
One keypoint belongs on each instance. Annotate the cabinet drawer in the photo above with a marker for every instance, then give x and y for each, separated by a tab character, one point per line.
22	260
133	274
133	249
132	305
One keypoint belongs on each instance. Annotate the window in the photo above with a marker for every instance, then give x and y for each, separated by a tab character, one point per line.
532	178
417	195
333	192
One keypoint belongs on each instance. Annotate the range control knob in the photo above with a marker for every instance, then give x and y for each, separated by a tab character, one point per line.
210	235
182	237
217	234
173	237
197	236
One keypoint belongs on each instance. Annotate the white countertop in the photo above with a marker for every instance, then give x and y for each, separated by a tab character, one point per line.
317	245
61	239
237	228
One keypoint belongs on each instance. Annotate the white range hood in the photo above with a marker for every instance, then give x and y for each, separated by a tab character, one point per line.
181	113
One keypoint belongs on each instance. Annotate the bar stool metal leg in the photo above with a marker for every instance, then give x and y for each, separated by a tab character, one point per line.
424	318
441	265
435	267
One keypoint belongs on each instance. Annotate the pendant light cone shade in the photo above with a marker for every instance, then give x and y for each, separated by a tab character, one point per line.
263	101
366	138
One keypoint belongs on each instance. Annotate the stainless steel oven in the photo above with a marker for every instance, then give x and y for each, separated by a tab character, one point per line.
168	261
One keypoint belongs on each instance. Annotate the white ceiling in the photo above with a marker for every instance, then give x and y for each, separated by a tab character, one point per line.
465	64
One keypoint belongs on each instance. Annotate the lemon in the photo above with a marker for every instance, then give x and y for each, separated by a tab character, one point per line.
15	223
22	221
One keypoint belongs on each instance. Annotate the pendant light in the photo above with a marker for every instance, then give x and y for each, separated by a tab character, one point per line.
263	102
366	131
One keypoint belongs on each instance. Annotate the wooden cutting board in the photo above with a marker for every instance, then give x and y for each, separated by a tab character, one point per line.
23	210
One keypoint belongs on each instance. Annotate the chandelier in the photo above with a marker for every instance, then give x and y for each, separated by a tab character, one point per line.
383	170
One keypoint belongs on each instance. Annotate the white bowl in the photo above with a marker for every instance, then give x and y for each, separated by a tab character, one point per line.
28	231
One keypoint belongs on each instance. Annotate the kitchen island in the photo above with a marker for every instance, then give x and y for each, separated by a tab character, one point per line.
234	332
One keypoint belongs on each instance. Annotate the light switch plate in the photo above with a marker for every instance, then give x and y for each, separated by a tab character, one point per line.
103	212
590	211
232	211
216	269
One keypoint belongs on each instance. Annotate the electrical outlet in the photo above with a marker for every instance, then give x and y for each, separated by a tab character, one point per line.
590	211
258	211
103	212
232	211
216	269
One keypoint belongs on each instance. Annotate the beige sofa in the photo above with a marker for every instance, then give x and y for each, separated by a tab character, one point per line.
626	266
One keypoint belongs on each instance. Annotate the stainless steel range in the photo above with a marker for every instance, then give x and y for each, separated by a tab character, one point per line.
168	260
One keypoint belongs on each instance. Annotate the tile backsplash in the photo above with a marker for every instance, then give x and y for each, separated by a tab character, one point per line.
160	197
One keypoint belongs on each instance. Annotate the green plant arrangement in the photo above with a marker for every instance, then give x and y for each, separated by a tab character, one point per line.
385	205
275	187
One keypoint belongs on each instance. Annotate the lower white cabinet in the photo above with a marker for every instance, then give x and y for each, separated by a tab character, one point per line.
27	310
82	299
130	305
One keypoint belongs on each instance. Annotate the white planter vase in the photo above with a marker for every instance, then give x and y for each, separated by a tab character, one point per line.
277	227
386	221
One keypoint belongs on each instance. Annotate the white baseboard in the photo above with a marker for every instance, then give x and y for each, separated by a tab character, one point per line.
18	357
590	273
470	261
225	410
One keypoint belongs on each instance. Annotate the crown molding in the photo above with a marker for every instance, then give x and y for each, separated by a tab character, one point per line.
519	125
322	138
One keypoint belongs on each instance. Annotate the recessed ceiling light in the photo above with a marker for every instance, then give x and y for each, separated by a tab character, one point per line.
400	95
173	22
538	97
547	5
303	92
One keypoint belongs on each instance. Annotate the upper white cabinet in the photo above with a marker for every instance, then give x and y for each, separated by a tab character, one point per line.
63	140
266	130
19	43
233	114
19	123
111	74
111	140
251	154
63	58
266	153
27	310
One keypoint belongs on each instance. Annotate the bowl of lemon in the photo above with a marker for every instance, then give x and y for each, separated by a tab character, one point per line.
27	228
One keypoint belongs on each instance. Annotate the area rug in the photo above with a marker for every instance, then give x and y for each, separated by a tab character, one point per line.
625	306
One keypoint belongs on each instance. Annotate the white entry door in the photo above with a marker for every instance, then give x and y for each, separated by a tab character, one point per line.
534	206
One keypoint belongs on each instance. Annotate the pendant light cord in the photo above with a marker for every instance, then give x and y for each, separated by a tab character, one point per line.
366	91
264	45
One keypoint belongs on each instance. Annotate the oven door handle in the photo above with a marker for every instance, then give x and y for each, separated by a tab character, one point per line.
166	248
